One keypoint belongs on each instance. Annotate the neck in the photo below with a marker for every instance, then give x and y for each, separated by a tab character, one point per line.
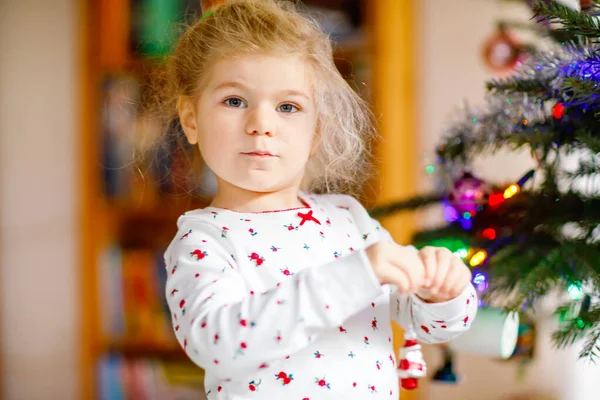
241	200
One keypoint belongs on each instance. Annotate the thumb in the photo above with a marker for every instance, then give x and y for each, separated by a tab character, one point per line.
424	294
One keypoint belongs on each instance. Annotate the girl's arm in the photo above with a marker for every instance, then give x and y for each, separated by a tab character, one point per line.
231	331
433	322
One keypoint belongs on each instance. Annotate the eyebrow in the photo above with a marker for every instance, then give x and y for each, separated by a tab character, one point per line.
293	92
239	85
231	84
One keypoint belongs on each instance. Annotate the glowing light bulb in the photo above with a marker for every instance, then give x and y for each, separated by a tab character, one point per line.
478	258
575	291
462	253
511	191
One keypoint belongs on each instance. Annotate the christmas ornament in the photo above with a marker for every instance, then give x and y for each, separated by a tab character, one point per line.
586	4
411	365
468	194
493	333
502	52
525	341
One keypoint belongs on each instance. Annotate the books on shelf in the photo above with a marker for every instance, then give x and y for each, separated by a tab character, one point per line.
141	359
119	112
132	297
121	378
156	24
136	167
133	169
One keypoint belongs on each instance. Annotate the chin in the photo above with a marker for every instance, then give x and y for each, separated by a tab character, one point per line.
260	187
264	184
261	181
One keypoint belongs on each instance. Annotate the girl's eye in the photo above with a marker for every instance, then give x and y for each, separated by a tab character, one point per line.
287	108
235	102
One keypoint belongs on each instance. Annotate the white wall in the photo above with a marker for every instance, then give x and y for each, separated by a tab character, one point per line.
450	37
38	281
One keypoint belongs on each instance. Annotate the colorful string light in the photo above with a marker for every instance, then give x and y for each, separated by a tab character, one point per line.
478	258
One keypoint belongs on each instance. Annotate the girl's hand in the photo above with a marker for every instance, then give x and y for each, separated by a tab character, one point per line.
397	265
446	275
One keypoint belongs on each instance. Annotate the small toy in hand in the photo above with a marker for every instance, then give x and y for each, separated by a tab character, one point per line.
411	365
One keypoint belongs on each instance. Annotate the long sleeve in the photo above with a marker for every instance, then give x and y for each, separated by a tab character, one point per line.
228	329
433	322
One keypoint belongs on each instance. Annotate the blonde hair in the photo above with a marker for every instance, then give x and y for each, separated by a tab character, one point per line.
345	130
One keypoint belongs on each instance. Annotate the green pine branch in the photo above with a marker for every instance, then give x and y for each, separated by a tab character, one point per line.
537	87
579	91
534	253
579	134
588	138
591	348
573	21
409	204
582	325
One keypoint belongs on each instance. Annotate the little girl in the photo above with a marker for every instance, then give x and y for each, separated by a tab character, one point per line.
277	292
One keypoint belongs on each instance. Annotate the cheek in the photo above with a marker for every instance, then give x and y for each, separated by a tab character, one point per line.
214	143
215	152
304	135
217	136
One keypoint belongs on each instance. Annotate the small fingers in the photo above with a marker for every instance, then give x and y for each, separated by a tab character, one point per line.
429	258
401	280
458	278
410	263
443	260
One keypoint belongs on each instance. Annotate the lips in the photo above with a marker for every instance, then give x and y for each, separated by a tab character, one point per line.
259	153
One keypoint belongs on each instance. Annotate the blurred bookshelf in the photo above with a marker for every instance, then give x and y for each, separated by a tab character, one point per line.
129	210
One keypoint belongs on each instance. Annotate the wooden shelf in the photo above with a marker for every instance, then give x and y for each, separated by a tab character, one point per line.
133	349
141	67
163	210
150	225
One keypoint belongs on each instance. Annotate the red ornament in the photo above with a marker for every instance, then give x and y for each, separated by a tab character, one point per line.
586	4
558	110
502	52
409	383
411	365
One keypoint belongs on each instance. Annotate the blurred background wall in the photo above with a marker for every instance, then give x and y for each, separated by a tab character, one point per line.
38	203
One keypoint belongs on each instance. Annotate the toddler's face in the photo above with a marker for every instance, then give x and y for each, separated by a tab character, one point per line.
256	121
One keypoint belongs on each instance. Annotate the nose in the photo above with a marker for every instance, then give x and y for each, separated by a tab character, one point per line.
260	122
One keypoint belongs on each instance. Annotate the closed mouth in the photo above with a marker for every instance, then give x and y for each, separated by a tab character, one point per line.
259	154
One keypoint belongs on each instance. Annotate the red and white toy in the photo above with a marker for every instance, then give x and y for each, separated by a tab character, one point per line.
411	364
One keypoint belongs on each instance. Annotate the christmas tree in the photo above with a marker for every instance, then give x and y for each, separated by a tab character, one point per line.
526	239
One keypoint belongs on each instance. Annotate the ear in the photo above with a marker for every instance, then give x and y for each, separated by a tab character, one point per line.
187	117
